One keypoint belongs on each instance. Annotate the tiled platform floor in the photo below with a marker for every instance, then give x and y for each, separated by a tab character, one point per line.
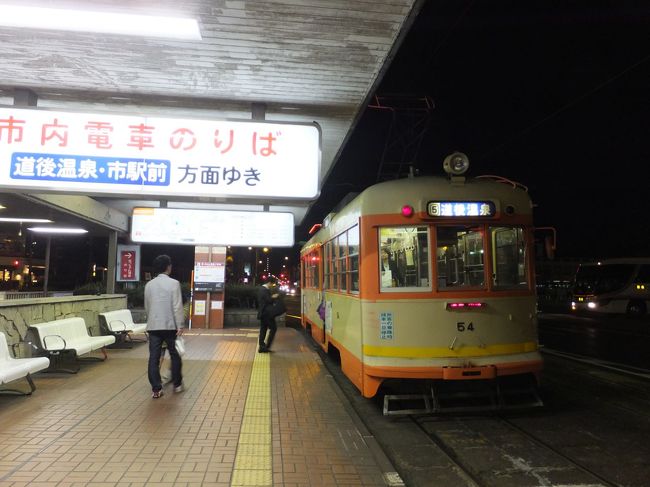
101	427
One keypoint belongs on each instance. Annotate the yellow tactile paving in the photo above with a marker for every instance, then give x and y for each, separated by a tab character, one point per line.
252	449
252	478
253	462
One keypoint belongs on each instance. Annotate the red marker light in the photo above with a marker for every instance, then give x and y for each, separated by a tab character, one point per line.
407	211
455	306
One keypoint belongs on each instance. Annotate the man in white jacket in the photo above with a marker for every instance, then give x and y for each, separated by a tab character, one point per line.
164	305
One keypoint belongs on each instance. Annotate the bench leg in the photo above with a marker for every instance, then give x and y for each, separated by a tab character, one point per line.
94	359
59	359
18	392
142	340
121	340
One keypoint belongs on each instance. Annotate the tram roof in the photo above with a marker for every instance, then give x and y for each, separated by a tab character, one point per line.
388	197
305	60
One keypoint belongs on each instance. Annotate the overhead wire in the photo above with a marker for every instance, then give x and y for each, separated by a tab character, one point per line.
563	108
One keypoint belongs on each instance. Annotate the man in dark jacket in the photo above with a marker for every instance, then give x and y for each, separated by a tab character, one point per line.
265	298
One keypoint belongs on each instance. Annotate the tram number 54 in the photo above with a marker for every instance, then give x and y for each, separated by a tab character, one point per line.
462	326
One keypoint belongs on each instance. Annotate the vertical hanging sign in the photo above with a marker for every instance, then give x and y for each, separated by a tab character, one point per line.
128	263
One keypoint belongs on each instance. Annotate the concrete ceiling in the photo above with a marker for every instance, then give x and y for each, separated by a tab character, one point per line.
305	60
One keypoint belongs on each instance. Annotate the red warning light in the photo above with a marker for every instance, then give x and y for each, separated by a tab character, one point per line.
407	211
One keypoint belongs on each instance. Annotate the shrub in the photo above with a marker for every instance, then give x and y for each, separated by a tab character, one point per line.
134	296
241	296
90	288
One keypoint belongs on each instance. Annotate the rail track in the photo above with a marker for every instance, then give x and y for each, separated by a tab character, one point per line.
511	463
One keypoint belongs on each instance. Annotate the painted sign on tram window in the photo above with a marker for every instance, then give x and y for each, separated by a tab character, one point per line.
119	154
461	208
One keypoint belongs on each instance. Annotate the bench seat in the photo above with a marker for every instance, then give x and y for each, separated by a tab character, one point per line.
120	321
68	336
12	369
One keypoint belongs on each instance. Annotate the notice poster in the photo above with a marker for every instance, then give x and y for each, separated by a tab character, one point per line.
209	276
199	308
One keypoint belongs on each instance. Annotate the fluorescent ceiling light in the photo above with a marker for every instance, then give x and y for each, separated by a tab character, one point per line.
25	220
101	22
2	207
57	230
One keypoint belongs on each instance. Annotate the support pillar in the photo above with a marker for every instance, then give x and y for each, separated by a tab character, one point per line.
111	262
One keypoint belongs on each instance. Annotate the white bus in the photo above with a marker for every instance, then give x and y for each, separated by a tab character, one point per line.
613	286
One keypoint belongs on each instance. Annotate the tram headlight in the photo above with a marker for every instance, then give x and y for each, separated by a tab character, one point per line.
591	305
456	164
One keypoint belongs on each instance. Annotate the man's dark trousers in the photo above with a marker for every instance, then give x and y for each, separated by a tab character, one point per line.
267	323
156	339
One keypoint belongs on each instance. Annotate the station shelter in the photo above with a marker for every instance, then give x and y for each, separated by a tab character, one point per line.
202	125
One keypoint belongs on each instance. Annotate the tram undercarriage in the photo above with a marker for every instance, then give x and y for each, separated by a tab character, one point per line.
454	396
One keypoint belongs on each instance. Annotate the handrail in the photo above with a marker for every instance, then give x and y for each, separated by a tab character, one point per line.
110	325
65	344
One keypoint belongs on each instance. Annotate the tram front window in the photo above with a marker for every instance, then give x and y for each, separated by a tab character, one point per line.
404	258
509	259
459	257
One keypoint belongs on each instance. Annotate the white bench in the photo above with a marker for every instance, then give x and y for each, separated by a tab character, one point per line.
67	338
12	369
119	323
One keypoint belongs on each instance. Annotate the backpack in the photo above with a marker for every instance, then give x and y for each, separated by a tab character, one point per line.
276	308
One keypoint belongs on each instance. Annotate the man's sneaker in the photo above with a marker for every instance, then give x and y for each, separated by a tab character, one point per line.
263	350
179	388
157	394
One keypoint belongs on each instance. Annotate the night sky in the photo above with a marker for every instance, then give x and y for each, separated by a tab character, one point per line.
553	95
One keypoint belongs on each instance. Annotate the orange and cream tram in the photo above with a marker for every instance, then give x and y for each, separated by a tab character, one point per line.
427	279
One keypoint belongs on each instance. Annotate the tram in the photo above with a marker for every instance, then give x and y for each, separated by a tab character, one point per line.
429	281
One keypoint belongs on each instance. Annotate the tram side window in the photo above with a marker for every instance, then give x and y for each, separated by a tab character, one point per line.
509	259
310	265
342	269
459	257
327	269
404	258
353	255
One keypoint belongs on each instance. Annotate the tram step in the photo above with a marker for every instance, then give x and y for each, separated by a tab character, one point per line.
482	400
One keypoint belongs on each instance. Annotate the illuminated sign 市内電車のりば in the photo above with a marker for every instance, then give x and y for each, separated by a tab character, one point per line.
167	157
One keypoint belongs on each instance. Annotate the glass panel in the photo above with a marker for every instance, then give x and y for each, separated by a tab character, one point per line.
404	257
509	257
602	278
353	258
343	250
326	266
459	256
311	264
